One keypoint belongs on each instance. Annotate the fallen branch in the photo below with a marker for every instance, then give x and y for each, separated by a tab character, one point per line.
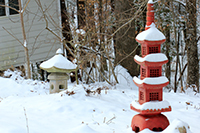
26	120
109	121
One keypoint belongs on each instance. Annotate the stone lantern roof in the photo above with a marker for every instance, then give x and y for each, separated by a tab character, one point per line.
58	63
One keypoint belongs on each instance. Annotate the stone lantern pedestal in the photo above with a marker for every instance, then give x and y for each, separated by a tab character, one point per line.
59	67
58	82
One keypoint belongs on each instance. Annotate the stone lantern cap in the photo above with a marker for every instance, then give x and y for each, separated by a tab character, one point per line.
58	63
152	34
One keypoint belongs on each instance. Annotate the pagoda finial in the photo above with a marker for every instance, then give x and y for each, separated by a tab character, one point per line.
150	14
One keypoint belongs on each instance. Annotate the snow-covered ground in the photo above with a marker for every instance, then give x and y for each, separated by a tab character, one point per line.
27	107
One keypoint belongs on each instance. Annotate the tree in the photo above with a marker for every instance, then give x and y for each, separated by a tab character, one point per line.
163	22
191	44
172	19
91	42
17	7
124	40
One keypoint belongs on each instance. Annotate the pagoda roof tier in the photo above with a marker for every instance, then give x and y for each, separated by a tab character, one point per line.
151	107
156	59
151	82
151	35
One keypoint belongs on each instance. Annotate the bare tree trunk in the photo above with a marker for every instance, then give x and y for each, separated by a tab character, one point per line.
177	45
178	66
168	65
25	45
66	31
102	26
191	43
81	13
177	63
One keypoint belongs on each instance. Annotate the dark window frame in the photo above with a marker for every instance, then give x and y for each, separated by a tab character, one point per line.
2	9
5	10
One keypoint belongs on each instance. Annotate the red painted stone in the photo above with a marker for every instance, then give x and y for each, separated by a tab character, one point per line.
157	122
151	88
150	118
152	64
152	112
147	45
150	15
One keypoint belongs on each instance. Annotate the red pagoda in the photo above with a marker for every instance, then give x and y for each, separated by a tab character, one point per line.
150	104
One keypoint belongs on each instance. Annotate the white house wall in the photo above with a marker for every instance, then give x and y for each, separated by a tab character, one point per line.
42	44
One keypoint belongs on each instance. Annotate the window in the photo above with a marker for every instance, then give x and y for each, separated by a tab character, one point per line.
154	72
143	72
2	9
141	95
14	4
52	86
61	87
6	11
153	96
144	51
153	50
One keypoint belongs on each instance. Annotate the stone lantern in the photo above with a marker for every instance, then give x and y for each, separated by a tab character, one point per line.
59	67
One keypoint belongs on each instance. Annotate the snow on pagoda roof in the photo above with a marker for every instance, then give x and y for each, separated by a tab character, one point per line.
158	105
150	2
152	34
58	61
151	80
157	57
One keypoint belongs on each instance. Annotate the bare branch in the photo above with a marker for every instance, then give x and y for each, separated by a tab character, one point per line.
10	8
127	55
13	36
25	6
137	13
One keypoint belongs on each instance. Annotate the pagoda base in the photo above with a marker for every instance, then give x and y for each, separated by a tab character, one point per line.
153	122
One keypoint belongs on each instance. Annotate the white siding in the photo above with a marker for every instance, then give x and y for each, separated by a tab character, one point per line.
41	43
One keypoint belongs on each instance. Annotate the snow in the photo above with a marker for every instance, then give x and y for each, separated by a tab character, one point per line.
151	80
150	2
80	31
25	43
176	124
58	61
59	51
151	105
172	128
152	34
107	112
157	57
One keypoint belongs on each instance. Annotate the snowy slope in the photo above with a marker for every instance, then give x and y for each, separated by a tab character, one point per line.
26	105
